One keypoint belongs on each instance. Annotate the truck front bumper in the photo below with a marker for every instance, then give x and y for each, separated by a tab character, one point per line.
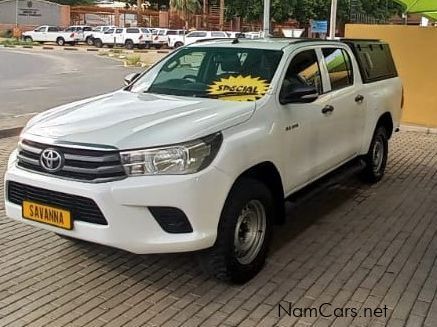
125	205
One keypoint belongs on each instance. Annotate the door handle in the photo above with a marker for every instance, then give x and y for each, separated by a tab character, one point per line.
359	98
327	109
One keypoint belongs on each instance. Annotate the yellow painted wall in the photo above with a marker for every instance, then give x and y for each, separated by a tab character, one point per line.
414	49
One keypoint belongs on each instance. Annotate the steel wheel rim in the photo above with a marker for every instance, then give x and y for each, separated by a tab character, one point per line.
378	154
250	232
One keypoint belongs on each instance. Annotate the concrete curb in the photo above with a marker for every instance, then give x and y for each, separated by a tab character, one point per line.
9	132
418	129
82	49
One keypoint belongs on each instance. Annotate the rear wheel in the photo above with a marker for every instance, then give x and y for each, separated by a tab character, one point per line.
376	158
178	44
243	234
60	41
98	43
129	44
89	40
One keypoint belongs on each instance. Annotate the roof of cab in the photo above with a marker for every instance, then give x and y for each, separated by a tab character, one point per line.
261	43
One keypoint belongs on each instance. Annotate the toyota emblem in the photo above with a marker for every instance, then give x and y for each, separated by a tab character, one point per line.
51	160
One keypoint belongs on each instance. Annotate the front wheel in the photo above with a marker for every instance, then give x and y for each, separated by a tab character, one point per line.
243	234
28	39
376	158
60	41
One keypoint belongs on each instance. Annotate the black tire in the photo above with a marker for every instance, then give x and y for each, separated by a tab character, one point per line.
60	41
129	44
98	43
222	260
376	157
178	45
157	46
89	40
28	39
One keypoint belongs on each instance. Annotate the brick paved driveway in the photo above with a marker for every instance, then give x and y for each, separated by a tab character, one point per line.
352	246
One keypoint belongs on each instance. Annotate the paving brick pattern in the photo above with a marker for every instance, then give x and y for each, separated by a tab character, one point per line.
353	246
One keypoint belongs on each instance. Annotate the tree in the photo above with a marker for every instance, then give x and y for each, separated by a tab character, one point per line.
304	10
185	8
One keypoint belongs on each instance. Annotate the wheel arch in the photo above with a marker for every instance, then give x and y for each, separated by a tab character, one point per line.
267	173
386	121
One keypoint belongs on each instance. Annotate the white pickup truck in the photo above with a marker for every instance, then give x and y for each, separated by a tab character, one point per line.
89	36
129	37
51	34
163	37
176	41
200	151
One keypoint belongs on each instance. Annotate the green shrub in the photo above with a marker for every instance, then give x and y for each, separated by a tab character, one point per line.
133	60
6	33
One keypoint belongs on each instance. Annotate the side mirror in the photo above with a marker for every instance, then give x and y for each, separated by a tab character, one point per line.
130	78
300	94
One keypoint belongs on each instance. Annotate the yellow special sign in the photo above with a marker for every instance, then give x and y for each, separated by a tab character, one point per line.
239	88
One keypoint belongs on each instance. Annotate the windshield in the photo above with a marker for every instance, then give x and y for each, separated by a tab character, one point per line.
214	72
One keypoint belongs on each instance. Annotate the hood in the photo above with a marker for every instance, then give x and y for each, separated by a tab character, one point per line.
128	120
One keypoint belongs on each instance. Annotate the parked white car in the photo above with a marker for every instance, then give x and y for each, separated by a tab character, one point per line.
161	37
48	33
200	151
129	37
88	36
80	30
195	36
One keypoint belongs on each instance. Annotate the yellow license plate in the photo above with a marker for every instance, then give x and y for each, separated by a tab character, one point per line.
47	214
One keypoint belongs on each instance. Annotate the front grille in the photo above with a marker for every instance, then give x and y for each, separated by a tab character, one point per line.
81	208
79	164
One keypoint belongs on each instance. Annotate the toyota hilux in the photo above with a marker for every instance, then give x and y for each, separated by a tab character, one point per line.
199	152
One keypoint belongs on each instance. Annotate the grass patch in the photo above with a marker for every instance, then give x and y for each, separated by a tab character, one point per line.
133	60
13	42
116	50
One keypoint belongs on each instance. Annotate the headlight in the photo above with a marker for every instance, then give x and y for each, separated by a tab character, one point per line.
12	158
179	159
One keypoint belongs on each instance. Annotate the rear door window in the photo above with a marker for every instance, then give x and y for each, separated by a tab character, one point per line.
218	34
132	30
339	68
197	34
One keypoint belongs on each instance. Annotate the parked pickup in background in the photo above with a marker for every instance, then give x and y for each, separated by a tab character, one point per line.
51	34
89	36
195	36
200	152
129	37
161	37
80	30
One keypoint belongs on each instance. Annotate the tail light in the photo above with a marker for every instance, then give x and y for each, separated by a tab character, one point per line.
72	35
156	38
141	37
